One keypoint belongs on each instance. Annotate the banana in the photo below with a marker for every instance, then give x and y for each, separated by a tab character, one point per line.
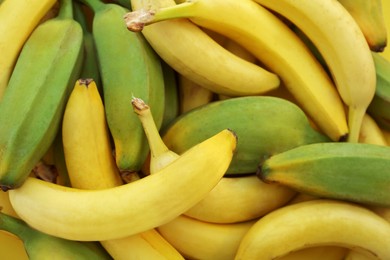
386	14
357	255
192	94
380	105
42	246
240	51
370	132
386	134
318	252
201	240
130	208
136	72
264	125
272	43
355	172
12	247
91	163
238	199
18	19
316	223
32	107
343	47
228	74
369	16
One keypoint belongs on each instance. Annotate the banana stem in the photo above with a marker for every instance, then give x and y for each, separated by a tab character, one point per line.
66	10
157	146
12	225
355	119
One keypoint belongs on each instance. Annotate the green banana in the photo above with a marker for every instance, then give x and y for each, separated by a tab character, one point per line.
379	107
33	104
354	172
128	67
264	126
40	246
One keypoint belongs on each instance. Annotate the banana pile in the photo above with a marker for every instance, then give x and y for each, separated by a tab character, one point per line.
195	129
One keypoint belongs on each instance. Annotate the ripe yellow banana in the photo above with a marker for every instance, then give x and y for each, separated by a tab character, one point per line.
370	18
343	47
386	14
238	199
370	132
196	239
272	43
131	208
12	247
316	223
228	73
18	18
35	99
318	252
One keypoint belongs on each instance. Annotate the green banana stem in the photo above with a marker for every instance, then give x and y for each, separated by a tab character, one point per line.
12	225
80	17
66	10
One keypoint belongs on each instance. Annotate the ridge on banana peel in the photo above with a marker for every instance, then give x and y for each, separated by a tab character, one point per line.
316	223
39	245
356	172
271	41
229	75
343	47
130	208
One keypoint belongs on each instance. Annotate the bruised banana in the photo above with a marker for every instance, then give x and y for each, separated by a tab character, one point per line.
379	107
130	208
201	240
355	172
136	72
18	20
39	245
369	16
92	166
265	126
238	199
229	74
32	107
272	42
343	47
316	223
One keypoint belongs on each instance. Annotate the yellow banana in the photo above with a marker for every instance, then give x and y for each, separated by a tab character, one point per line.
196	239
318	252
237	199
386	14
18	18
358	255
369	16
316	223
131	208
228	75
370	132
343	47
272	43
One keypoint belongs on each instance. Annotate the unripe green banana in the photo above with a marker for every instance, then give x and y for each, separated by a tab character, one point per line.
354	172
264	125
33	104
129	67
39	245
379	107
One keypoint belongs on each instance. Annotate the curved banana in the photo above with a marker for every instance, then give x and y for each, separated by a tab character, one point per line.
18	19
319	252
316	223
52	56
370	132
238	199
386	14
349	171
131	208
202	240
369	16
272	42
343	47
228	74
265	126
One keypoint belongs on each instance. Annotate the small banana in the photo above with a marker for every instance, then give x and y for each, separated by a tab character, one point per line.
196	239
130	208
33	104
369	16
228	74
350	171
316	223
238	199
136	72
18	19
42	246
343	47
379	107
273	43
265	126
